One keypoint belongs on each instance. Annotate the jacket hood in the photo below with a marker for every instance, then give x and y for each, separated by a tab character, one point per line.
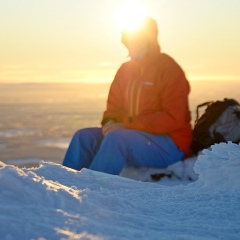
148	30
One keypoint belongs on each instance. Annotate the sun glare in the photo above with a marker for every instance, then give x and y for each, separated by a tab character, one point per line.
129	15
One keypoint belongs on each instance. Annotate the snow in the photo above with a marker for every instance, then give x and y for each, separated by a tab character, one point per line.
54	202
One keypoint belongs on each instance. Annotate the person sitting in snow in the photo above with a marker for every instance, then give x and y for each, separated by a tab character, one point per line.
147	119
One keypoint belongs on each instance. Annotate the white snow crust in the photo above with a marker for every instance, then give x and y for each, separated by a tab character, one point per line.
54	202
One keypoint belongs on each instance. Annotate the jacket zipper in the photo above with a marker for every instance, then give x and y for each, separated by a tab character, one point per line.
137	98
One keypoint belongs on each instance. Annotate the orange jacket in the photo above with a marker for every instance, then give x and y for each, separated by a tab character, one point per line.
151	95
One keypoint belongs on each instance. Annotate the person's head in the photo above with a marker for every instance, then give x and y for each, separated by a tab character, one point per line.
139	41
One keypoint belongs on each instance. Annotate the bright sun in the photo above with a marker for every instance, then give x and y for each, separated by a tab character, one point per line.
129	15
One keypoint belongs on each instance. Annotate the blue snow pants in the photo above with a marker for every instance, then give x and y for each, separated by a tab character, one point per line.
109	154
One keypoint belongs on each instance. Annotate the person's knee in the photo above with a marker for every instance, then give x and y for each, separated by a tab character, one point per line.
77	133
84	133
115	136
116	140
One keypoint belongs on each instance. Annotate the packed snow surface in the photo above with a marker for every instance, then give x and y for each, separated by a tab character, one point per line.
54	202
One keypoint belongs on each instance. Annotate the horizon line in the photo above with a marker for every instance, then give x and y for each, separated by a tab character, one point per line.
106	82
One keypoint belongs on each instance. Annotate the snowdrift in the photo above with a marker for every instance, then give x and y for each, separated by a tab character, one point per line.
53	202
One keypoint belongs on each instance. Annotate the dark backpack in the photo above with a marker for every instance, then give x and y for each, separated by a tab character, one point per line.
219	123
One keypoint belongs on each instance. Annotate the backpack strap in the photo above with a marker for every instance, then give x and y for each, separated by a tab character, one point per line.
197	110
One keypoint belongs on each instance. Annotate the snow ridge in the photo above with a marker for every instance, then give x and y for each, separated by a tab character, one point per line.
53	202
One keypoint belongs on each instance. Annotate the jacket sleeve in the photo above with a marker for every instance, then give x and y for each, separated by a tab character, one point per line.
174	113
114	110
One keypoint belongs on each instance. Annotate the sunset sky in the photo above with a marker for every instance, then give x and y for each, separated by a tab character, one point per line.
79	41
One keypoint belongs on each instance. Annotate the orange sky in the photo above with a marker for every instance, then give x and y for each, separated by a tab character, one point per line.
78	41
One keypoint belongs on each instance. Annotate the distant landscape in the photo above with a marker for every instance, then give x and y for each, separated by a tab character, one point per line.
37	121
